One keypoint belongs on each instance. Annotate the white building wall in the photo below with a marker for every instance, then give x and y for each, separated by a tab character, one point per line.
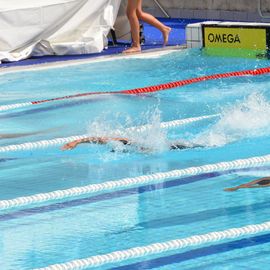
240	10
239	5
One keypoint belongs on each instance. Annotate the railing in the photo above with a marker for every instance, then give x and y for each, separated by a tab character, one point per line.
260	11
162	9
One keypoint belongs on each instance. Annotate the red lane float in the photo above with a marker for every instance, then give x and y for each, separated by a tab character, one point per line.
166	86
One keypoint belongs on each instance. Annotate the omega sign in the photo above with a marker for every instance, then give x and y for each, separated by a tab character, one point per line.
235	37
223	38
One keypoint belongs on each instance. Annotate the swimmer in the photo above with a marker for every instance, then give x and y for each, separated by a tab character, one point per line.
25	134
259	183
134	14
16	135
105	140
7	159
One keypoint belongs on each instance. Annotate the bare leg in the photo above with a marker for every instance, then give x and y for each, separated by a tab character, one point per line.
134	26
148	18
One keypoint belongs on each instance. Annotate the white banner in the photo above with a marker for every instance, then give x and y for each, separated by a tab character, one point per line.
54	27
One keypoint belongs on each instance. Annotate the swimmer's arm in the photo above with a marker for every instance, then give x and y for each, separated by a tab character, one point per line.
95	140
264	178
252	184
73	144
256	185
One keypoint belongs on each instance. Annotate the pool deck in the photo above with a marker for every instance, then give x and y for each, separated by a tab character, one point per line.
153	43
40	65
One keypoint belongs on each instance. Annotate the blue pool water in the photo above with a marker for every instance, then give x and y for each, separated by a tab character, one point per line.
60	231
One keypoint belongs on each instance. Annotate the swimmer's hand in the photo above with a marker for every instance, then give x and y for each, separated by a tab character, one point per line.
231	189
70	146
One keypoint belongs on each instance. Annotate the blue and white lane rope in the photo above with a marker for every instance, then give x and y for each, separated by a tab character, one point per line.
133	181
161	247
60	141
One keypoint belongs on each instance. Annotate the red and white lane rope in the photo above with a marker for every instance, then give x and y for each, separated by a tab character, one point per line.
161	247
149	89
59	141
115	185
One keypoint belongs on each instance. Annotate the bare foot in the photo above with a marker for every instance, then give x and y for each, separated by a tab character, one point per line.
166	34
132	49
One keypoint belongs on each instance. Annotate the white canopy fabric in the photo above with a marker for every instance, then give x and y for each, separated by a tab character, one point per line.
54	27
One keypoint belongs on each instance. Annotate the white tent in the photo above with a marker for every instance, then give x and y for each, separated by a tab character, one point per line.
48	27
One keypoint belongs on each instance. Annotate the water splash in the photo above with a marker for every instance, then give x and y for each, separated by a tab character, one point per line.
152	139
245	119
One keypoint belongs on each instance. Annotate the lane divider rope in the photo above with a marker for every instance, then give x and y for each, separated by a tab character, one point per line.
148	89
59	141
161	247
15	106
133	181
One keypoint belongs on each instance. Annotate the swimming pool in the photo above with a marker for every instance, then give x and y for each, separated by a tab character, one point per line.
228	116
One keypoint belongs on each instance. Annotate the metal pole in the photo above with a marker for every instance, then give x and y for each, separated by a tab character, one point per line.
162	9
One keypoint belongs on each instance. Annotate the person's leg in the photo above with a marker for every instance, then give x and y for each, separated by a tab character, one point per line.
134	26
148	18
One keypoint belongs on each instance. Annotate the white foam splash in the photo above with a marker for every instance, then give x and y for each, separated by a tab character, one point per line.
152	138
254	173
246	119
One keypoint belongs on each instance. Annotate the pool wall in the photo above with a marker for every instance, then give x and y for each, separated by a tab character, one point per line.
240	10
